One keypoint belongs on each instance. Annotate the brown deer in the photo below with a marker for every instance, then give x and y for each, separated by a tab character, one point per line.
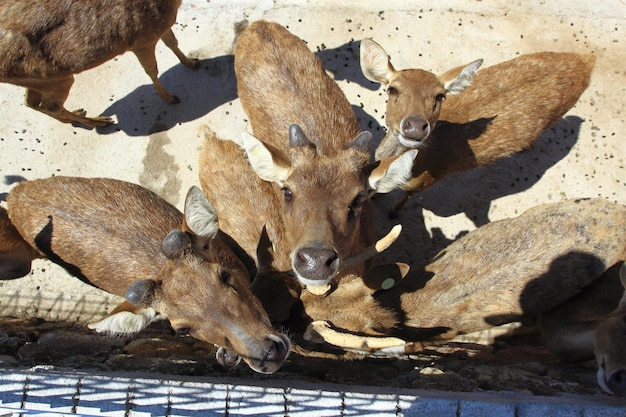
45	43
501	110
312	160
222	164
559	262
124	239
15	254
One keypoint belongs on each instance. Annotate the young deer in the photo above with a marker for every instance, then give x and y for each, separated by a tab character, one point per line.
45	43
310	153
126	240
558	262
502	110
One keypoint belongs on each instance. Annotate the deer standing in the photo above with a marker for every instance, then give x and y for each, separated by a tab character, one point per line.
467	118
44	43
559	262
126	240
312	161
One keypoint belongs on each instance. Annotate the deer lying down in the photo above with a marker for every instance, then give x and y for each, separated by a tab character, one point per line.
44	43
558	262
126	240
468	118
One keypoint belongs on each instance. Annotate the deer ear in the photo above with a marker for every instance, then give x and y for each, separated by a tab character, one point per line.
143	292
392	172
375	63
200	216
264	161
264	251
460	83
383	277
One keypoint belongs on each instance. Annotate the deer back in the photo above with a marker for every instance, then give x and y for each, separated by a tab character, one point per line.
466	118
504	111
126	240
68	41
518	267
499	273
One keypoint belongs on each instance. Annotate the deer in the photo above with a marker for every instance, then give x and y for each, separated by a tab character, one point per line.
126	240
467	118
44	44
15	254
305	171
222	164
561	263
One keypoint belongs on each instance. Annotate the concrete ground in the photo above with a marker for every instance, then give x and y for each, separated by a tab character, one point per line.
156	144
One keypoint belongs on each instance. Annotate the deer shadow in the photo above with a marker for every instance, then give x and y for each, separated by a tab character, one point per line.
344	63
201	90
470	192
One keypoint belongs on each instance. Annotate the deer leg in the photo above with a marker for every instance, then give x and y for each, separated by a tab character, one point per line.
147	59
49	96
171	42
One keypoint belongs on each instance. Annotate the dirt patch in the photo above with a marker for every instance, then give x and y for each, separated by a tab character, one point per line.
508	366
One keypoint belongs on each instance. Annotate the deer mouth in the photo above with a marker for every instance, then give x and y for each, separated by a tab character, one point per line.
409	142
414	130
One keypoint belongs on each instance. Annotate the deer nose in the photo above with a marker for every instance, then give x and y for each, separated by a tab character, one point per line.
315	265
617	382
276	351
415	128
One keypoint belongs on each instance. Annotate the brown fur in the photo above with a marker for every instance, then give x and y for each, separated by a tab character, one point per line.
325	217
300	91
15	254
44	43
503	111
556	261
243	206
111	233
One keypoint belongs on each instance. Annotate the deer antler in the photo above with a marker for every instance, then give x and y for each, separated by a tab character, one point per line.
381	245
369	252
321	331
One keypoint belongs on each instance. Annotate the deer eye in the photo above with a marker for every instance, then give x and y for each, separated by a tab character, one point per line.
438	100
392	91
287	193
357	204
225	276
183	331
